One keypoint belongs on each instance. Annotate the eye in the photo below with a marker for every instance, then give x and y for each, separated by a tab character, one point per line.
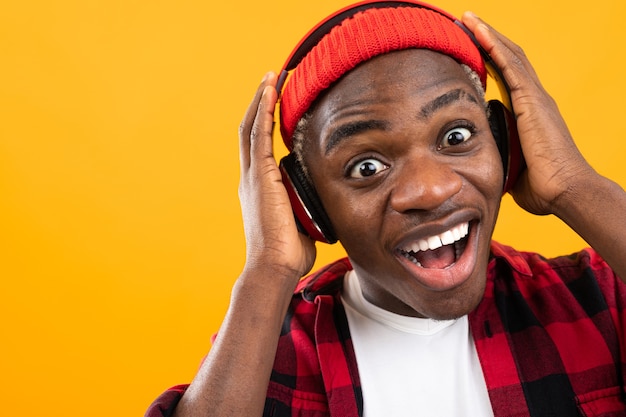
367	168
456	136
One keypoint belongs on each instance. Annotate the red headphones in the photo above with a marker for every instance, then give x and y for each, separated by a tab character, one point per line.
310	215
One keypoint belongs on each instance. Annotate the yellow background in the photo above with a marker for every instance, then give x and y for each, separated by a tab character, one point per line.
120	232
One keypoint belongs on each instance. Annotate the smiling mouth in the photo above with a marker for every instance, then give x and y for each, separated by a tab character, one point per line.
438	251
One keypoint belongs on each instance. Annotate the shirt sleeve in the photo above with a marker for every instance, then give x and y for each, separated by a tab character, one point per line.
165	404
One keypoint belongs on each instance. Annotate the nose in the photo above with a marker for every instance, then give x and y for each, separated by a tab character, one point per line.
424	183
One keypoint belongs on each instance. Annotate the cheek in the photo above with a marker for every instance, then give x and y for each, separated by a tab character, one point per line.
487	174
355	218
345	212
490	184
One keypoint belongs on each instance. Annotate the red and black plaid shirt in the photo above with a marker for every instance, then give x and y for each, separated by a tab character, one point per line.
549	335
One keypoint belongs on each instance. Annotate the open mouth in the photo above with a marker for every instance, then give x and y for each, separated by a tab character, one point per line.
438	251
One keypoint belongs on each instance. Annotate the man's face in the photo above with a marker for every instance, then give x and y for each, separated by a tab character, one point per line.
401	154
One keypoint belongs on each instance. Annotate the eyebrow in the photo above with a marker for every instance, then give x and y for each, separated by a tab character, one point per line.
445	100
351	129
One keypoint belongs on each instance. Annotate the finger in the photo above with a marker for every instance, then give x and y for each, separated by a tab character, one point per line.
261	132
245	127
506	54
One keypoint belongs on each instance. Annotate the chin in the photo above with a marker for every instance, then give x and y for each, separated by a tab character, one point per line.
453	304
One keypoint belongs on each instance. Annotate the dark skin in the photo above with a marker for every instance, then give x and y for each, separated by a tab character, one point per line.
407	104
233	379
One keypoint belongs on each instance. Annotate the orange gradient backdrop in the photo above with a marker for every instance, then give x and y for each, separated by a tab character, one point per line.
120	230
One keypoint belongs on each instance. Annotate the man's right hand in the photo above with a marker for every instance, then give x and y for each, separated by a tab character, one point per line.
272	239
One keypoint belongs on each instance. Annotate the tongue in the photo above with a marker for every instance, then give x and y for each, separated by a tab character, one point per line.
438	258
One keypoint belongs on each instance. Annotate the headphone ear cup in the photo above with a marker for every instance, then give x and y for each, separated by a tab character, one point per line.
504	130
311	218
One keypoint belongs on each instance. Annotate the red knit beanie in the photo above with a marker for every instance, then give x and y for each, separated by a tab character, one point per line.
363	36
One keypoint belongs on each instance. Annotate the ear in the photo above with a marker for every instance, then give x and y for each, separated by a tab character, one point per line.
504	130
311	218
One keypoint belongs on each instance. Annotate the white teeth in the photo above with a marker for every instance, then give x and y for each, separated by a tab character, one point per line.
434	242
446	238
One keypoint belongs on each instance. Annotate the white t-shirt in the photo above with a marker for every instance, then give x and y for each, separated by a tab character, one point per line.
412	366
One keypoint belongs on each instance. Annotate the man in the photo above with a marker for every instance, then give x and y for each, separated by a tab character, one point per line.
427	315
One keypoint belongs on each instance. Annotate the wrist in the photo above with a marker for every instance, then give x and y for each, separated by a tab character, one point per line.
267	287
581	196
